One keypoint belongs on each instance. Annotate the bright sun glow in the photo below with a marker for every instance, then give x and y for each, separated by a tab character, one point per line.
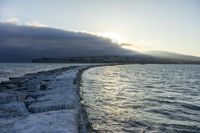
122	41
113	36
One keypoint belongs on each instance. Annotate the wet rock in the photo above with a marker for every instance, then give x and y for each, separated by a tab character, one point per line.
7	85
16	80
22	89
43	85
33	85
5	82
2	87
10	86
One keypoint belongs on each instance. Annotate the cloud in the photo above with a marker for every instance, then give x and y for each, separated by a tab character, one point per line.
113	36
11	21
16	21
24	43
36	24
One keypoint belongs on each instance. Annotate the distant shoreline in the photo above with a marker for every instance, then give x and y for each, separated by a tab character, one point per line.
116	60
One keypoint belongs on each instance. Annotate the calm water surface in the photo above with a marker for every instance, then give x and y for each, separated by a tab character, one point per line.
143	98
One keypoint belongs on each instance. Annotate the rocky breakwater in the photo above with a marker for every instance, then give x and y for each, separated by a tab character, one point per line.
43	102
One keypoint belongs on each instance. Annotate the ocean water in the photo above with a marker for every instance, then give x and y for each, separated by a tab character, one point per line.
143	98
19	69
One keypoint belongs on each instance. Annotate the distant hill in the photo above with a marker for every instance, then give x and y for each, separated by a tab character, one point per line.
172	56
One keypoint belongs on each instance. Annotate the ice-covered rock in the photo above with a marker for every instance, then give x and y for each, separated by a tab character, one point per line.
61	94
63	121
29	100
43	102
13	109
6	97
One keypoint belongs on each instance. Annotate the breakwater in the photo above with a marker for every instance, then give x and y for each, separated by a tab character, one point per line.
48	101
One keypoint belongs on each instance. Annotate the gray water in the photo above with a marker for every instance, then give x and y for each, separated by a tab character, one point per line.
143	98
19	69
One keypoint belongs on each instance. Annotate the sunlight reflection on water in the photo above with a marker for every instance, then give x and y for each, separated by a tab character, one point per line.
143	98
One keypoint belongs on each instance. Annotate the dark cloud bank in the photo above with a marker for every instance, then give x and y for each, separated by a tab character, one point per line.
24	43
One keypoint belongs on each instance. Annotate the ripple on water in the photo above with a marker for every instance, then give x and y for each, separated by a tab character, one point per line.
143	98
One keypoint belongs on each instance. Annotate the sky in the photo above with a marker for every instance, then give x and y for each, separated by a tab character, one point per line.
22	43
169	25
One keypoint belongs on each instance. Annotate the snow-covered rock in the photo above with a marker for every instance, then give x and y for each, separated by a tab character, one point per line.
63	121
43	102
60	94
13	109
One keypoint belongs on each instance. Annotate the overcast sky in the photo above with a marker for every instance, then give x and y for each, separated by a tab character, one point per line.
23	43
170	25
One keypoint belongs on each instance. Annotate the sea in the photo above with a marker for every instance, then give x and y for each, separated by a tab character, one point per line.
143	98
133	98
